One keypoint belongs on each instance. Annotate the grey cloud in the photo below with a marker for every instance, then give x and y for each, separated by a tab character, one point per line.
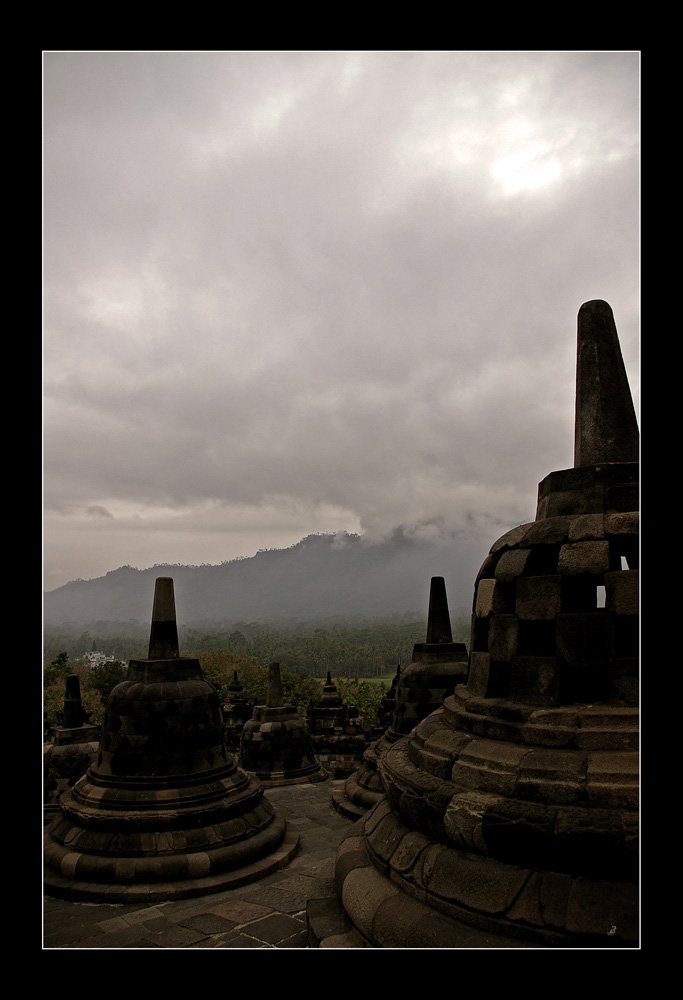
296	276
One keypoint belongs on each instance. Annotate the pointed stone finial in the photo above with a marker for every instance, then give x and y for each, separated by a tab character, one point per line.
274	689
605	429
438	622
163	636
73	707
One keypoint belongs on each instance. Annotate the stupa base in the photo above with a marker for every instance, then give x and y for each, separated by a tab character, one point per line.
275	779
401	889
63	887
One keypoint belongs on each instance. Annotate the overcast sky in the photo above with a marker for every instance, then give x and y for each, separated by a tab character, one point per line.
289	292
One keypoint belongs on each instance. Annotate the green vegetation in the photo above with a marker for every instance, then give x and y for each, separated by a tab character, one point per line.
361	659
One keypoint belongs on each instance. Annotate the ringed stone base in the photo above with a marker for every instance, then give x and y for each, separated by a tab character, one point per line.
401	889
64	887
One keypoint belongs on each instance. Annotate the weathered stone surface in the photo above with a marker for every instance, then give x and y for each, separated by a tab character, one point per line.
490	599
587	527
539	597
535	680
605	427
503	637
622	592
584	557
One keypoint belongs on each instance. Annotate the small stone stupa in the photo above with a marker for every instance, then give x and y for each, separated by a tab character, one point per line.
511	817
438	665
236	711
385	711
164	812
338	737
276	744
73	747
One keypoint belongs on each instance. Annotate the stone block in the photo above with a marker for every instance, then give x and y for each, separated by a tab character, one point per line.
512	564
557	776
490	599
623	498
477	683
622	524
587	527
535	680
511	538
503	637
549	531
543	901
585	558
587	501
622	592
538	596
464	816
363	891
489	766
481	884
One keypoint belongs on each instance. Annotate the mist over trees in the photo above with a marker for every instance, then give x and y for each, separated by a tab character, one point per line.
337	577
330	602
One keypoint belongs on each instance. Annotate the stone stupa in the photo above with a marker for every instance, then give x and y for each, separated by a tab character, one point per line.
236	711
438	665
511	818
276	743
73	747
337	733
165	811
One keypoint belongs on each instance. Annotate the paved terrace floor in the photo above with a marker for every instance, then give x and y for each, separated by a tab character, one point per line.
269	913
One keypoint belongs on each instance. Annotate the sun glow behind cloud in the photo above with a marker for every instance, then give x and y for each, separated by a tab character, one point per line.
327	288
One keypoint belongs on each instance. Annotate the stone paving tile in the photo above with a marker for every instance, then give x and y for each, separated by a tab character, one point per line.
207	923
73	937
240	911
144	915
307	885
173	937
275	928
281	900
238	940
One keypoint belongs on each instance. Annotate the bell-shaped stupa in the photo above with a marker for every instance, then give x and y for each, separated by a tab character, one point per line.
336	729
276	743
73	746
511	817
164	811
438	665
236	711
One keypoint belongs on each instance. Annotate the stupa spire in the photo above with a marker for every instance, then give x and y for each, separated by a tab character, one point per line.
274	688
163	636
605	429
438	620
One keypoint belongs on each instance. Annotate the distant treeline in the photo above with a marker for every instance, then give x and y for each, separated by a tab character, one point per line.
347	650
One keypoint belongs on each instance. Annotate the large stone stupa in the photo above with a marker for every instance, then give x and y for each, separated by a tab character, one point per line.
164	812
511	818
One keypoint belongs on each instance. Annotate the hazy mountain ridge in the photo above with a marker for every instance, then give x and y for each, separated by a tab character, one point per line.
322	576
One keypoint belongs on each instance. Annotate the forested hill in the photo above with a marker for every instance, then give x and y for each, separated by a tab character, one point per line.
323	576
